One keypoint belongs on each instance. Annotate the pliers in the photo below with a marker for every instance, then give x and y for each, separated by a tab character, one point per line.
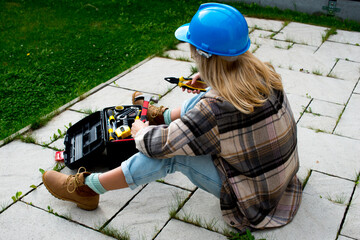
180	82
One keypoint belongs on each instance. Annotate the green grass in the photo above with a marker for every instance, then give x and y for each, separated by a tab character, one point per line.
52	52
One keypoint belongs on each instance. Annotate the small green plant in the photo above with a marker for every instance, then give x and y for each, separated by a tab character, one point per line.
42	171
112	232
317	72
328	33
56	137
178	202
309	110
193	70
332	75
237	236
27	138
33	186
88	111
58	166
306	179
17	196
340	199
308	96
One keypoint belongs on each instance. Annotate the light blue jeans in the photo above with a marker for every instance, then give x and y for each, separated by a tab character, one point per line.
140	169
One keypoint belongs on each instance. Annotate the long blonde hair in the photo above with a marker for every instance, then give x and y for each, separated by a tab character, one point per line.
244	80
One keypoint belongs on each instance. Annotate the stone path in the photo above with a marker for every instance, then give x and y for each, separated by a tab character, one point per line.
321	78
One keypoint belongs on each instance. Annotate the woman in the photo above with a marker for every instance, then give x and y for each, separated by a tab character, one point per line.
237	140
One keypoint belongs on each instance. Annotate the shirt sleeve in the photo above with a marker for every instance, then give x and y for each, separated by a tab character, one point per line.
195	133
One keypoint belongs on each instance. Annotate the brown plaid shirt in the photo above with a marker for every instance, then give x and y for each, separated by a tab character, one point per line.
255	154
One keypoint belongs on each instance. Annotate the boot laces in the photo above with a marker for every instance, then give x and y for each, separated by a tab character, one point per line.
74	180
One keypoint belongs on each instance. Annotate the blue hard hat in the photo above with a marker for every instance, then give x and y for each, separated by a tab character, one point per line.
216	29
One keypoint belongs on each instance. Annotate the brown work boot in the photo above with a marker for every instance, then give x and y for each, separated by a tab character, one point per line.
155	115
71	188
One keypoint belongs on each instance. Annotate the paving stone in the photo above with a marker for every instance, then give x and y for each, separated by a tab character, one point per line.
270	42
346	37
260	34
341	237
352	220
297	58
58	144
185	47
178	55
326	108
347	70
264	24
302	33
318	87
106	97
318	123
175	98
333	189
19	168
148	212
297	104
328	153
110	203
46	133
176	229
317	218
349	124
150	76
339	50
22	221
180	180
357	89
204	207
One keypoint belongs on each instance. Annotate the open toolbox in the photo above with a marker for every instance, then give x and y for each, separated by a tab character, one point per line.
102	138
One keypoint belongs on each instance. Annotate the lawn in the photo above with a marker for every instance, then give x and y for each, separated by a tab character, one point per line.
53	51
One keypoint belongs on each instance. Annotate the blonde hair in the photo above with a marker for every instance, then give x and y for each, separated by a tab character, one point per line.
244	80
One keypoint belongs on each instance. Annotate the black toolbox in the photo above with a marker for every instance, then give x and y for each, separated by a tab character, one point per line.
102	138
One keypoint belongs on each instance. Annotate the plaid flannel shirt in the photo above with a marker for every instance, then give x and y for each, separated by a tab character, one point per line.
255	155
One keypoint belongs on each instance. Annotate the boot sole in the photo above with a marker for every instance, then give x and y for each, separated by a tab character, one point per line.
80	205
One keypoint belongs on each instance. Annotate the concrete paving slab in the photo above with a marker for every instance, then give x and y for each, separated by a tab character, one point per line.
357	89
260	34
317	123
58	144
150	76
333	189
341	237
178	55
110	203
297	58
317	218
302	33
176	229
45	134
270	42
175	98
264	24
297	103
23	221
180	180
346	70
106	97
339	50
346	37
352	220
148	211
328	153
185	47
349	124
195	210
325	108
19	168
318	87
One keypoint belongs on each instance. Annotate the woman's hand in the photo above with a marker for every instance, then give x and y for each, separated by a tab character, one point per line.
195	84
137	126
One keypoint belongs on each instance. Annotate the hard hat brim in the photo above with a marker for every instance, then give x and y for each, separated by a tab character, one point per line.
181	33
